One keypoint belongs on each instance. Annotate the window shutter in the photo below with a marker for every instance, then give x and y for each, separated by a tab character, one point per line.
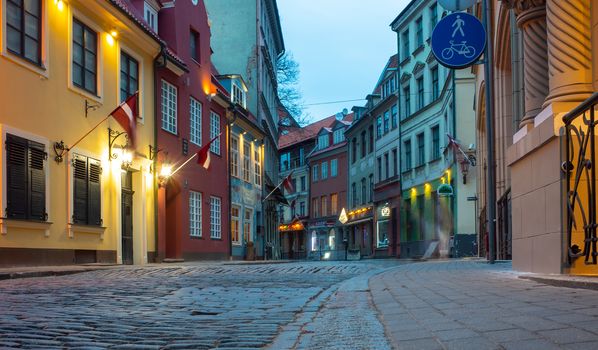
16	168
79	189
37	181
94	199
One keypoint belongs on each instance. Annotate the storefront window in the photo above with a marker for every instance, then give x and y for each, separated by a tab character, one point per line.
382	236
314	241
331	240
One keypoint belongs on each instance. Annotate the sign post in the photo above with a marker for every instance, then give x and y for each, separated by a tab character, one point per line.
458	40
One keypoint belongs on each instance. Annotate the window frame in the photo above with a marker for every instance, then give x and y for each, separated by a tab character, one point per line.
235	220
194	45
41	19
148	8
257	165
324	170
195	122
234	156
334	167
246	166
170	124
215	131
215	221
97	35
129	58
195	226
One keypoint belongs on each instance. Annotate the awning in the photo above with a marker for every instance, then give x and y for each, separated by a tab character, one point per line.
359	221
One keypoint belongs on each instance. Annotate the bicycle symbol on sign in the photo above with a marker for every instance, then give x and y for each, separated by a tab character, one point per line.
460	49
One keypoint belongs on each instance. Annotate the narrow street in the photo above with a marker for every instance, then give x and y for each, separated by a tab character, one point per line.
372	304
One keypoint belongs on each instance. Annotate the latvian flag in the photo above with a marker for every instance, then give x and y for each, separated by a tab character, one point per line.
203	155
288	183
126	116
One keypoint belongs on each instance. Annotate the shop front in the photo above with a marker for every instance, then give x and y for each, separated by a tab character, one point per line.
359	227
326	241
387	201
293	240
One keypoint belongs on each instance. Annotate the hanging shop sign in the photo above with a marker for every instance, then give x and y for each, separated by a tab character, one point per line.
444	190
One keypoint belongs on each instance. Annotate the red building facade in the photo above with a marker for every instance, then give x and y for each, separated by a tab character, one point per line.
193	203
328	192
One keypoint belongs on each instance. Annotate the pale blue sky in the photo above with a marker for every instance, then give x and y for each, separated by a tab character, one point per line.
341	47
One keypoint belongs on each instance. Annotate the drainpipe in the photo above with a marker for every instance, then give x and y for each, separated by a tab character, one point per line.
159	62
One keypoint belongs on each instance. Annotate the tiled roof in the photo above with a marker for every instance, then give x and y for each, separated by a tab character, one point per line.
308	132
128	9
392	63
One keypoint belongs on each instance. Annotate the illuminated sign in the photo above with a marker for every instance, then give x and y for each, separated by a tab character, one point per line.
385	212
343	217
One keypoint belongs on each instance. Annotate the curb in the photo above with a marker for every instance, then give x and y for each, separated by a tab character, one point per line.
580	283
31	274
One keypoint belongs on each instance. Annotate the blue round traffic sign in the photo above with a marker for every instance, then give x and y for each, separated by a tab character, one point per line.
458	40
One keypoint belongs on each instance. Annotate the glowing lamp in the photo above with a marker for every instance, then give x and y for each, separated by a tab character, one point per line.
59	4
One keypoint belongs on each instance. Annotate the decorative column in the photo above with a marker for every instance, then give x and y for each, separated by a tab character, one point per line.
569	50
531	18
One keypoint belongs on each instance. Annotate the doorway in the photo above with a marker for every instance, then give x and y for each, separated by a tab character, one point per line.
127	216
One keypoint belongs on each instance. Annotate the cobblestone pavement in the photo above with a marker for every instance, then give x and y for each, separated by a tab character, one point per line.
473	305
186	306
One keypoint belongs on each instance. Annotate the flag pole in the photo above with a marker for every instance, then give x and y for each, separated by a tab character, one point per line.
89	132
269	194
185	163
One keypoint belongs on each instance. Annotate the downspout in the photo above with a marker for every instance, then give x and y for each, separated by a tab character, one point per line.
159	62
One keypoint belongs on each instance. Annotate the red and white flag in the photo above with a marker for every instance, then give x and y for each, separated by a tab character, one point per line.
288	183
126	115
203	155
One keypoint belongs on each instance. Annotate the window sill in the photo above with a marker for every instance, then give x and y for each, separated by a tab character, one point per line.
196	237
215	238
419	49
72	228
405	61
35	68
86	94
26	224
170	132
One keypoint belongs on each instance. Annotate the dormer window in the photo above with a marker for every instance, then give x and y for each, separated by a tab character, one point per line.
151	16
323	141
338	136
238	95
194	45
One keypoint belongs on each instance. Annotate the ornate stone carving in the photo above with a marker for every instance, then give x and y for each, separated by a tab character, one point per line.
569	50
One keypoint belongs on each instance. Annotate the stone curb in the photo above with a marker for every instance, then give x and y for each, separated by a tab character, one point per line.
45	273
578	282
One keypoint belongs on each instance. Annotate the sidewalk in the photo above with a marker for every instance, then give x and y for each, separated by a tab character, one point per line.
472	305
44	271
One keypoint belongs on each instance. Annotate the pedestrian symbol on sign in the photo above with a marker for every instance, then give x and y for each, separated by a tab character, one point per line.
458	25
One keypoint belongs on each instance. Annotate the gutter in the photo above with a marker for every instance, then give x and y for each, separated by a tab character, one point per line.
159	62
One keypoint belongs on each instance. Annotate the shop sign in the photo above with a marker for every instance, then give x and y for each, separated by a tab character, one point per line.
343	217
444	190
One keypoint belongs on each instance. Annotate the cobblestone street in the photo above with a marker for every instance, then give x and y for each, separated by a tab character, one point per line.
198	306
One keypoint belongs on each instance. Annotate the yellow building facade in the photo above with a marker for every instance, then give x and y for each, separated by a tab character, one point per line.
64	67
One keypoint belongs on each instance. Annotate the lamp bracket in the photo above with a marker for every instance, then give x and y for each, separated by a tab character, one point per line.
90	107
113	135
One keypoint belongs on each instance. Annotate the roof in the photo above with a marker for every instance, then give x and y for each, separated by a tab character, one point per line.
308	132
392	64
130	11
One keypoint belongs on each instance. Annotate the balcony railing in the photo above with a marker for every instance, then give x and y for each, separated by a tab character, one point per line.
579	175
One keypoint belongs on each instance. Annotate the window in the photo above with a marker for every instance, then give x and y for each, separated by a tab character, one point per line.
363	144
234	225
129	76
238	95
363	191
371	192
87	207
386	166
379	127
408	161
324	206
195	214
435	83
301	157
333	204
257	165
338	136
151	16
23	29
85	62
214	132
371	132
419	35
324	170
248	225
234	156
314	207
383	228
169	107
26	179
302	209
246	161
285	161
302	180
194	45
393	116
393	83
386	121
433	16
215	218
379	163
323	141
435	142
405	41
314	173
353	195
420	92
195	121
395	163
334	168
353	150
421	156
407	100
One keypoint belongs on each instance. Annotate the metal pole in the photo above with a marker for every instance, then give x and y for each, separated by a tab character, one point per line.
491	185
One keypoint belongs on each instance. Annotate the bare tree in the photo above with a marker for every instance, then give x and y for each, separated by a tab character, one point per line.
288	91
